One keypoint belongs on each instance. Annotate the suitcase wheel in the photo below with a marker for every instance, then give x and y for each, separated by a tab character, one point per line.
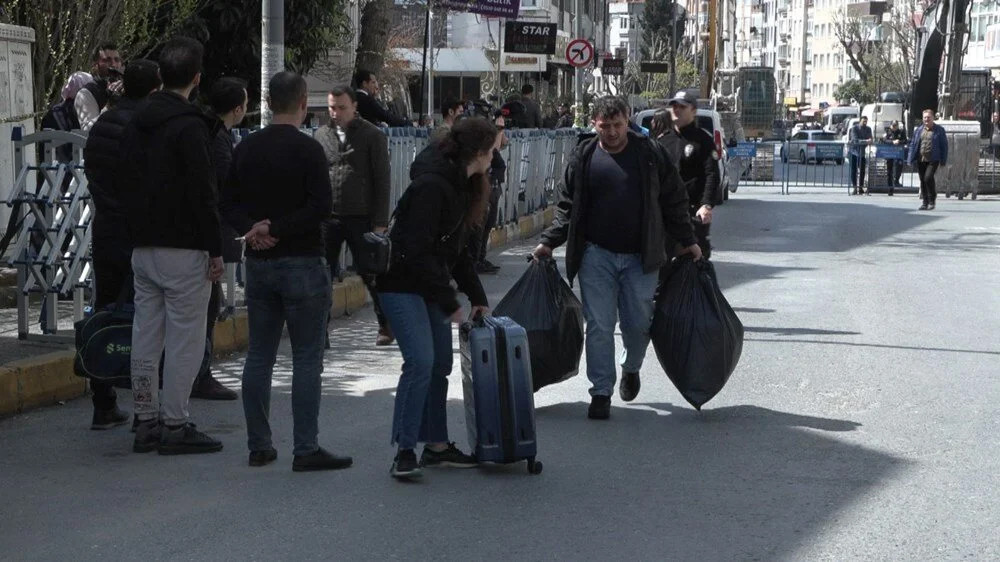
534	467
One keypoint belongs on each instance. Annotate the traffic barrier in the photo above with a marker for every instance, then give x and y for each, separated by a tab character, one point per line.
51	199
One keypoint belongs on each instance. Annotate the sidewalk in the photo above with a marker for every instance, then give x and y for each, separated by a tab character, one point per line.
35	374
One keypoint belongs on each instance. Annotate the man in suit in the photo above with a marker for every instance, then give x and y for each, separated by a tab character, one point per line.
369	107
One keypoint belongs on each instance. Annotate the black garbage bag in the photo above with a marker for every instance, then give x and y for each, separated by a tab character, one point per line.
542	302
696	334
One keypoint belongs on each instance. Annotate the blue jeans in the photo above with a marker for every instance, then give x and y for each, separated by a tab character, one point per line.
295	290
423	332
614	286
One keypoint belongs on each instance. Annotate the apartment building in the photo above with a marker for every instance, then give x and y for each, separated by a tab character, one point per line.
625	29
798	39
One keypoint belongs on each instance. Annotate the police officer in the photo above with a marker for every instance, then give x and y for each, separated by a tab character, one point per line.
697	157
895	136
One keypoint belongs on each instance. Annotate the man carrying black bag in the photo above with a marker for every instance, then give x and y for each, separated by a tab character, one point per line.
625	206
111	241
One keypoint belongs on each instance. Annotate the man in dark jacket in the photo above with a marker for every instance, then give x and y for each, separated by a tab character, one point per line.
357	153
622	211
95	96
895	136
697	158
111	248
369	107
228	102
928	151
533	111
169	185
278	193
859	137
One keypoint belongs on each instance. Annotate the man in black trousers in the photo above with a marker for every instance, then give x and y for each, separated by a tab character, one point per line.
111	243
357	154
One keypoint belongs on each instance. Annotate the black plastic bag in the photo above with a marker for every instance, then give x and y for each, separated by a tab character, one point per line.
542	302
696	334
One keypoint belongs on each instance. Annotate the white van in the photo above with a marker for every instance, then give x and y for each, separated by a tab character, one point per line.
834	118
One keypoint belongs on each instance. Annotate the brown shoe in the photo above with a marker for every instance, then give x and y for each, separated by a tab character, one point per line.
207	388
385	337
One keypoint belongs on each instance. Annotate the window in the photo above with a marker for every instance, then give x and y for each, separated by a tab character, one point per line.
624	21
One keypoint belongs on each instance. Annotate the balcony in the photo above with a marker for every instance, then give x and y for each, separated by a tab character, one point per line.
782	7
782	55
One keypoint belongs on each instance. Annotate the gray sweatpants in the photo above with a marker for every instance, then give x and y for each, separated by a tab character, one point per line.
171	303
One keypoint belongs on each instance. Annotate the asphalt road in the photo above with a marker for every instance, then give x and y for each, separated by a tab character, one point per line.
861	424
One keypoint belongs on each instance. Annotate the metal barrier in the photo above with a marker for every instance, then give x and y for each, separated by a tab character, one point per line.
52	250
973	168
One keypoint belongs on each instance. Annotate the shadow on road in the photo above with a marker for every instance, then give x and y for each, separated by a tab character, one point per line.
803	226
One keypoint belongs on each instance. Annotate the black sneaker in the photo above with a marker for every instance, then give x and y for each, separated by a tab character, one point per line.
628	388
405	467
600	408
264	457
930	207
186	440
320	460
490	264
922	207
482	268
450	457
208	388
107	419
147	436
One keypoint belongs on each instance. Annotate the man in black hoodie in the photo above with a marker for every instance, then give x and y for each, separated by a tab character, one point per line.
177	251
111	246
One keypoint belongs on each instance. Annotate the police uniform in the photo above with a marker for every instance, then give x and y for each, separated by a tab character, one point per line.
697	159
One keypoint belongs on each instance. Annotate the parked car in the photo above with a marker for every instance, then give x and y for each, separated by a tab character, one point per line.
803	147
711	121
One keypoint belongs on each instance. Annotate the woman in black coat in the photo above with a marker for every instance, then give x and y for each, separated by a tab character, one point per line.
446	200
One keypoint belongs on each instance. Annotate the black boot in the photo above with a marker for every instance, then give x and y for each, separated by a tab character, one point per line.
207	388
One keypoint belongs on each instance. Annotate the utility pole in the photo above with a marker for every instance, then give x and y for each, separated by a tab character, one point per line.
713	27
578	73
430	71
272	52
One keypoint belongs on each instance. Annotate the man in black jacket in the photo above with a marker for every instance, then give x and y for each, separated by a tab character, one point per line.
533	111
278	194
228	103
697	158
111	247
169	185
622	211
370	108
95	96
895	136
357	153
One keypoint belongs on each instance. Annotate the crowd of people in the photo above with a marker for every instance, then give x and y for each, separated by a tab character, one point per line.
175	200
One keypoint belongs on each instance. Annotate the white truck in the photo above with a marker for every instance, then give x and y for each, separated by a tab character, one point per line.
835	118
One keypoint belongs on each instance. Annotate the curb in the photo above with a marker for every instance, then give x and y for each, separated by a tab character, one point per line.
48	379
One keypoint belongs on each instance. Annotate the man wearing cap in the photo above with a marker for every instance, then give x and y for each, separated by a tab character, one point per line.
697	158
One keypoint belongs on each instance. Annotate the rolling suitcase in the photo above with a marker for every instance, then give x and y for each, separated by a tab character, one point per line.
499	401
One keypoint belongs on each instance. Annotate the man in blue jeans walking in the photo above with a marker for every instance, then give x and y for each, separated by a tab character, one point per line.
622	212
278	193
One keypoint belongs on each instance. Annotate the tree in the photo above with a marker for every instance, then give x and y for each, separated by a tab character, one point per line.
857	91
67	32
373	39
229	30
657	24
231	34
882	51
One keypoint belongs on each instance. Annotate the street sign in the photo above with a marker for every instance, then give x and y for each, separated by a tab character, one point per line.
580	53
890	152
613	67
529	38
654	67
489	8
743	150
